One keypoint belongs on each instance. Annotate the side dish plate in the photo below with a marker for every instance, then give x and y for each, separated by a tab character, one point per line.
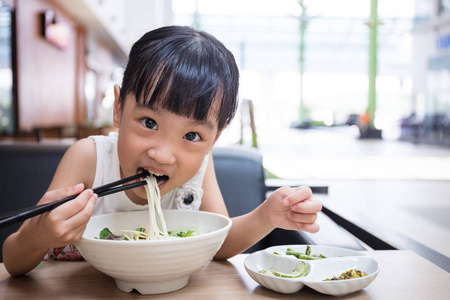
337	261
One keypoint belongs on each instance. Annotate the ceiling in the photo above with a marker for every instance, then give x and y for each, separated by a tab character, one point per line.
118	23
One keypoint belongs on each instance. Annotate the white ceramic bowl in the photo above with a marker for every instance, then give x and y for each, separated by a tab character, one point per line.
337	262
153	267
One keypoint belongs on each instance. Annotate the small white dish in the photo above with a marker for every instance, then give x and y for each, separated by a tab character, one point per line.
262	260
335	264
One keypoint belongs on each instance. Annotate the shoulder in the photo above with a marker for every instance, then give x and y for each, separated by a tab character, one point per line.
82	149
78	165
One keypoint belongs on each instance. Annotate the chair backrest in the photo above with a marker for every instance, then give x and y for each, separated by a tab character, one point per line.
26	170
240	174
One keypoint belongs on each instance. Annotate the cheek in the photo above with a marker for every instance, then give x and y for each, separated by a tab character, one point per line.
188	168
128	151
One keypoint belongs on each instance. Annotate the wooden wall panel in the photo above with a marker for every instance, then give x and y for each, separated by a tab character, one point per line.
81	67
46	74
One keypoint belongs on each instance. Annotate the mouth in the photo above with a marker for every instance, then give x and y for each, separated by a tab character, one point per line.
160	178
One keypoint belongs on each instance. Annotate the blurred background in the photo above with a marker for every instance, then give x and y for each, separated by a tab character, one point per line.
302	62
350	94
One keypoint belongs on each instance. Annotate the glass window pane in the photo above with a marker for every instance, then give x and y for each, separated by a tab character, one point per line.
6	74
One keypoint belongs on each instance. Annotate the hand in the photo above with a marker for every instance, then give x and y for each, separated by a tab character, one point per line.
65	224
293	208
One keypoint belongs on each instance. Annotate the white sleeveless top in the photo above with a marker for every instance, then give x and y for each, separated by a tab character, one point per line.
187	196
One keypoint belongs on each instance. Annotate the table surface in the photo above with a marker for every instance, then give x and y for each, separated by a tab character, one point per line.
403	275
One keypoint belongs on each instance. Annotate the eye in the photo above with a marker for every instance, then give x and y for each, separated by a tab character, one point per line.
149	123
192	136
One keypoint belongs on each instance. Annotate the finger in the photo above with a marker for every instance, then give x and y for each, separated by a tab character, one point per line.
312	228
67	231
83	216
76	234
61	193
302	218
308	206
70	237
282	193
298	194
72	207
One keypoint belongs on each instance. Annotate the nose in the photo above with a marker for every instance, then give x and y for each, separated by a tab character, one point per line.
162	153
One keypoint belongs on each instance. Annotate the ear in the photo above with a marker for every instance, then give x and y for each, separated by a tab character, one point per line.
117	107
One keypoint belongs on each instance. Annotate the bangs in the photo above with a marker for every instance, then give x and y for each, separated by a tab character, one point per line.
187	75
181	87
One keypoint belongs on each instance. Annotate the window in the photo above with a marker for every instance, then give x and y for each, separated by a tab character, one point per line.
7	107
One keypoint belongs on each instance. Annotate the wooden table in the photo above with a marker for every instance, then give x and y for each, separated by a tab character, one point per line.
403	275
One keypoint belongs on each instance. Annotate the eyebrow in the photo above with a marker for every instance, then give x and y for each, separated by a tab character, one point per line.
205	123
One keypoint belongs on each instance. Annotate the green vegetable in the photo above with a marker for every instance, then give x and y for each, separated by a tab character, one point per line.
308	250
104	233
300	271
191	231
140	229
183	233
307	255
349	274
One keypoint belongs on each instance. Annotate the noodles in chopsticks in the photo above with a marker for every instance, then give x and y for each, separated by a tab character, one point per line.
153	232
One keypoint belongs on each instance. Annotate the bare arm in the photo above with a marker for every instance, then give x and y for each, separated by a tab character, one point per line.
212	200
24	249
239	239
288	208
77	166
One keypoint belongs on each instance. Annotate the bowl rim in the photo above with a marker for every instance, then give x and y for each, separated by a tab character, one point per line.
206	235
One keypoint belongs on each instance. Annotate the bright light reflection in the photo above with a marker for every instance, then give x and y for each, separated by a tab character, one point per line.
328	96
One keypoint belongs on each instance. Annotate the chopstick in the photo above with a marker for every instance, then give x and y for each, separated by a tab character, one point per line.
104	190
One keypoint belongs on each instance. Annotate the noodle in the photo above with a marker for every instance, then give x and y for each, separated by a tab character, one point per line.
154	201
153	232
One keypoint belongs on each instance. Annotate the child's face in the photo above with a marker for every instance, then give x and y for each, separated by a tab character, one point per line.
161	142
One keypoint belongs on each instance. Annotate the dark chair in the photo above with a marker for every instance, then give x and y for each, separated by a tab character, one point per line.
241	178
240	174
26	170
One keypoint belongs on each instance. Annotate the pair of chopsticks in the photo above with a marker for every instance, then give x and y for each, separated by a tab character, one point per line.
107	189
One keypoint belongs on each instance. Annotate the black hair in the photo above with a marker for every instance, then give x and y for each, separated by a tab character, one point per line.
184	71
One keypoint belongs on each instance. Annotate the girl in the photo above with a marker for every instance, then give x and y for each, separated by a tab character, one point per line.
179	91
